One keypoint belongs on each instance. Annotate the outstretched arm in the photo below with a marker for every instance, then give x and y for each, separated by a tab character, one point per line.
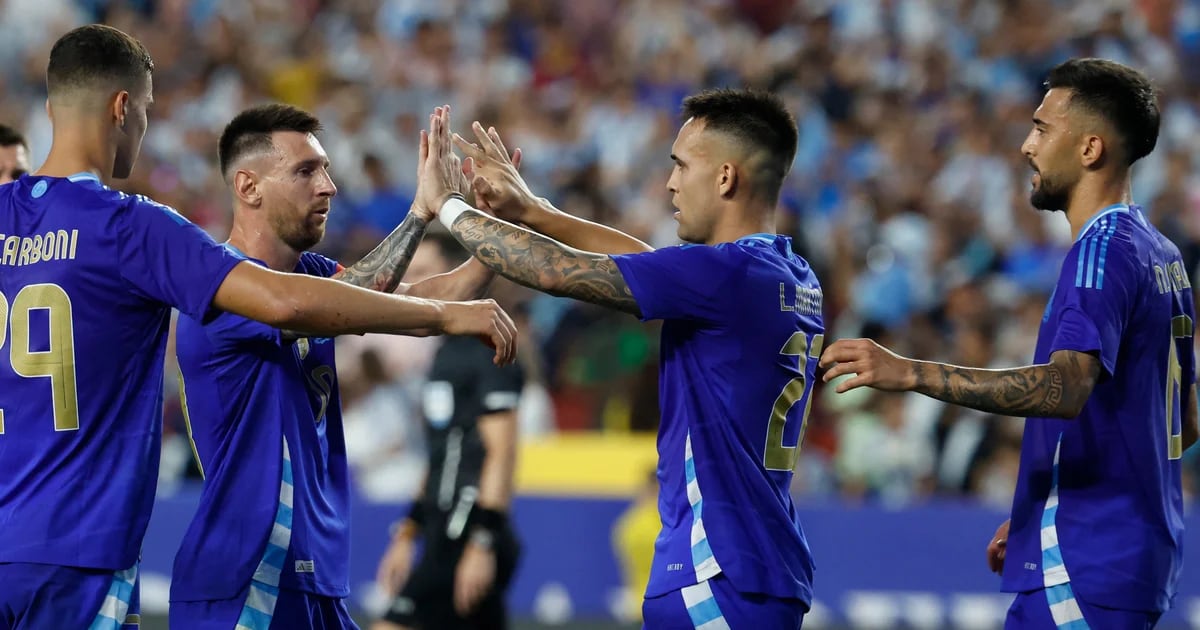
542	263
1058	389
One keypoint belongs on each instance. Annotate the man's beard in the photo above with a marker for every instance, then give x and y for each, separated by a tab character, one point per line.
1049	195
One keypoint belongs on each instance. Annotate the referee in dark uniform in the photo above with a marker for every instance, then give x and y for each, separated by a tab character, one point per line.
461	517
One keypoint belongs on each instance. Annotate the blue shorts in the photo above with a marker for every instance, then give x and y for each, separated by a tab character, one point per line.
37	596
262	607
1056	607
714	605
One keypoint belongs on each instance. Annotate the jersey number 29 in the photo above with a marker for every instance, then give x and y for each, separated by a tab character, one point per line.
776	456
58	361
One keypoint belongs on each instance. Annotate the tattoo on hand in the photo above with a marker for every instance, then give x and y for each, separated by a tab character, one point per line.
384	267
542	263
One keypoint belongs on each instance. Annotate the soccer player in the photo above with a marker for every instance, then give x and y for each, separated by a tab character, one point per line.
741	335
88	276
262	406
1094	538
14	154
461	515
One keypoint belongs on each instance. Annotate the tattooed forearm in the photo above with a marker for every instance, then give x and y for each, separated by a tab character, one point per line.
384	266
544	264
1057	389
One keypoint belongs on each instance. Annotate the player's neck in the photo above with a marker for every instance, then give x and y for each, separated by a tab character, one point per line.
1092	198
78	147
264	245
735	230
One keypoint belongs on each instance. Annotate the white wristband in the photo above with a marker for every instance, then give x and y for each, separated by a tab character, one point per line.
451	209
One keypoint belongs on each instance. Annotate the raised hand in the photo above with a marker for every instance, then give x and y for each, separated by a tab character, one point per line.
441	172
494	176
486	320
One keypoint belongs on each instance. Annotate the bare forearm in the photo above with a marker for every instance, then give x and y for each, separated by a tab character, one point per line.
384	266
499	435
580	233
321	306
1036	390
542	263
468	282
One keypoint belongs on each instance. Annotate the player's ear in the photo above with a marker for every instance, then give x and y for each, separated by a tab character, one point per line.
1092	151
727	182
245	187
120	107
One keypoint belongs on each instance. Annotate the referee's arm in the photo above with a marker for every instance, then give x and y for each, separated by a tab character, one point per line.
498	431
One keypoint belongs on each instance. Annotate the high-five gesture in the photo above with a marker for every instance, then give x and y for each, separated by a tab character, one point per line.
441	171
494	176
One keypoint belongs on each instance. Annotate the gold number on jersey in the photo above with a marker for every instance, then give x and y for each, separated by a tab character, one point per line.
1181	328
58	361
776	456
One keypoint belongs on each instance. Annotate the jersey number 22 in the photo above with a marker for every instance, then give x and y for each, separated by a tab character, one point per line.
776	456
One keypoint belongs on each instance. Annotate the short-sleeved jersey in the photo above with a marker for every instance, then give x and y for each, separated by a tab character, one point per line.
87	279
1099	500
742	334
266	422
463	386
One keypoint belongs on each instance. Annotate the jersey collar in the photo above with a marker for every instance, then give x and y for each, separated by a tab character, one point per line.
83	177
1116	207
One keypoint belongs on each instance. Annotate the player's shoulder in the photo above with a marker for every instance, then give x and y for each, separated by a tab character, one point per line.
149	207
315	264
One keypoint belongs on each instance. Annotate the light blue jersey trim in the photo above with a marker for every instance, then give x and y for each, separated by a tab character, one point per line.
703	560
1116	207
264	587
702	607
116	604
83	177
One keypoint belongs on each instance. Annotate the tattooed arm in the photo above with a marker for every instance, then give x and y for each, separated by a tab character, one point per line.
384	266
542	263
1058	389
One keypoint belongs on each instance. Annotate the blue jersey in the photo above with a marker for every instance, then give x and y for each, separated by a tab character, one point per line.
1099	502
266	423
740	342
87	279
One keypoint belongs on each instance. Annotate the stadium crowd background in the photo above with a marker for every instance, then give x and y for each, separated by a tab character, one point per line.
908	194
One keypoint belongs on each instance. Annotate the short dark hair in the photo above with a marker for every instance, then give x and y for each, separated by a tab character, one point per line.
757	118
10	137
96	55
251	130
1122	96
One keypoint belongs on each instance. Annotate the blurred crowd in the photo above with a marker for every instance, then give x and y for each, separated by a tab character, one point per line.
908	193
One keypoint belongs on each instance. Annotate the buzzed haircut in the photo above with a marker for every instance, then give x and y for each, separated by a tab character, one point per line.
11	137
250	131
1120	95
758	119
96	56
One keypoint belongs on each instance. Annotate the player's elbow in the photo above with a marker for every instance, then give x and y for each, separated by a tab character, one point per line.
283	307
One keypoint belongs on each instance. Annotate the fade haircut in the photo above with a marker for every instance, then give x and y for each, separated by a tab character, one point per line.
96	56
760	121
11	137
1117	94
250	131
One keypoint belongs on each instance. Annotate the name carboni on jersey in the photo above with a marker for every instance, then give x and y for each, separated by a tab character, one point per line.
18	251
